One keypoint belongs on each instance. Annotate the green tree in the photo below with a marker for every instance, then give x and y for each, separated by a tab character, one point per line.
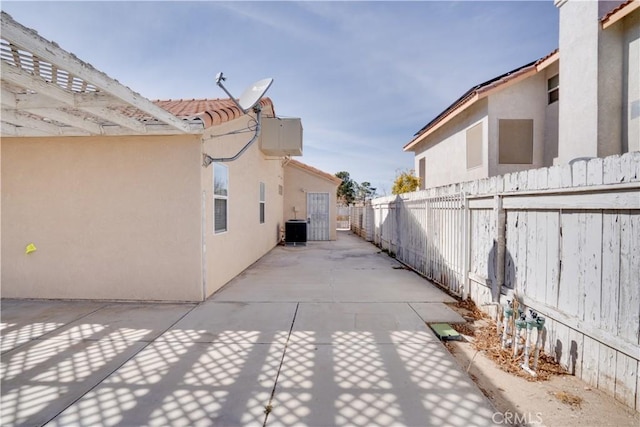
366	191
347	190
405	182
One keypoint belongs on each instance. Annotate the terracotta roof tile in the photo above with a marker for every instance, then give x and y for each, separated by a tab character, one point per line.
630	4
211	111
544	58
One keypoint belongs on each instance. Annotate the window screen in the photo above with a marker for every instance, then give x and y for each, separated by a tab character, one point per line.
553	89
262	202
220	197
474	146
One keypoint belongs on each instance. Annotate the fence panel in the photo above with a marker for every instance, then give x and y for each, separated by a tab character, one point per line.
571	235
445	241
344	217
426	234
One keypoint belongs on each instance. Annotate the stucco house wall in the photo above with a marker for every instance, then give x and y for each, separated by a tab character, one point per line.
524	100
599	81
551	123
578	129
300	181
444	151
631	83
228	253
126	217
111	218
597	114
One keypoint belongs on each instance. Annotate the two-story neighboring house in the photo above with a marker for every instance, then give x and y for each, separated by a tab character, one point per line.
504	125
582	100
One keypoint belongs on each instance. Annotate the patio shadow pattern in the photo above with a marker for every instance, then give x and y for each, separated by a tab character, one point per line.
321	361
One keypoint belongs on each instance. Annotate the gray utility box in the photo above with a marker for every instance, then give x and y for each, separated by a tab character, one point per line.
281	137
295	231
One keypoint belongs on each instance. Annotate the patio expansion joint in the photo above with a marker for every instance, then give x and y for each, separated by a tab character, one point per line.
147	343
284	352
44	336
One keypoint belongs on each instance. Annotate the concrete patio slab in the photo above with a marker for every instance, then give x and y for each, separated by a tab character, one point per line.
328	334
386	286
123	321
24	320
43	377
365	384
436	313
189	383
259	290
347	270
234	322
333	323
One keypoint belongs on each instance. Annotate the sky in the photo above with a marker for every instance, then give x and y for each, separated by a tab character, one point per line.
363	76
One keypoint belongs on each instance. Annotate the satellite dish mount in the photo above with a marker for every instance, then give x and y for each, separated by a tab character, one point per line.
248	101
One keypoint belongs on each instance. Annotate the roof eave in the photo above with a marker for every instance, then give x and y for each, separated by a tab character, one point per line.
446	117
619	13
468	100
317	172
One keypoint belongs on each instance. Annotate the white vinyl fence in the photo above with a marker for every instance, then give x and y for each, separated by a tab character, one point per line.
565	240
344	222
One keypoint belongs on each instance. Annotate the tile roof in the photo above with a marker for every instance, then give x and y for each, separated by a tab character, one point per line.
622	9
313	170
211	112
472	94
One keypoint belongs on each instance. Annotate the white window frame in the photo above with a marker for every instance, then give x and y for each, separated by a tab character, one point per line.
217	196
262	204
555	88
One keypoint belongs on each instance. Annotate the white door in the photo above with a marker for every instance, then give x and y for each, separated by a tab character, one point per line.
318	216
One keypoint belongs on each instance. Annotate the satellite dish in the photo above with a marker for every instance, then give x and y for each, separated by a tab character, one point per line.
249	100
251	96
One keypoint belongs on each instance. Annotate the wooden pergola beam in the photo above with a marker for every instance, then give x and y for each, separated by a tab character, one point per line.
29	40
17	119
68	119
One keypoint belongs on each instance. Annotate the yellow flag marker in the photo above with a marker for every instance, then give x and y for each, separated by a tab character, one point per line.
30	248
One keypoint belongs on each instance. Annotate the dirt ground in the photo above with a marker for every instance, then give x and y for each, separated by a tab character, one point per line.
561	400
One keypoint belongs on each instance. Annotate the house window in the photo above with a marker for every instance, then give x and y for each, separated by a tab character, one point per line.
421	172
553	88
515	141
262	202
474	146
220	197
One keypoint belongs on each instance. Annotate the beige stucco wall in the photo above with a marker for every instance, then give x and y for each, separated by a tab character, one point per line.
599	82
578	115
299	182
631	83
526	99
111	217
551	121
444	151
227	254
610	77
